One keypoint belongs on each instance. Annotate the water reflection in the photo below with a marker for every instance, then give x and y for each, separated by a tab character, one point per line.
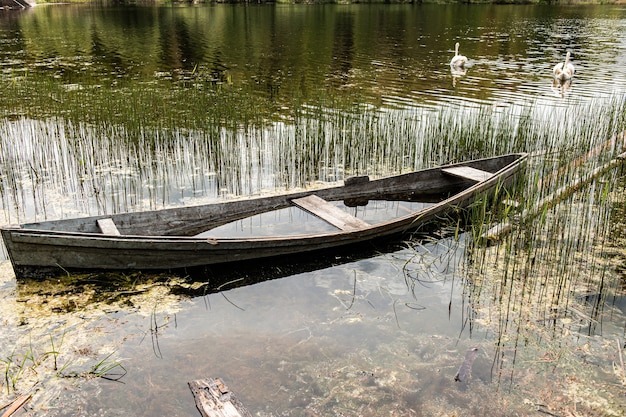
561	88
343	51
457	73
286	52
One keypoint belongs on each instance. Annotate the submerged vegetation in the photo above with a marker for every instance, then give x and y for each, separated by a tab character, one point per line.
551	294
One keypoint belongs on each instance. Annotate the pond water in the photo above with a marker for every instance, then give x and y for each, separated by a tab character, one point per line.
109	109
395	55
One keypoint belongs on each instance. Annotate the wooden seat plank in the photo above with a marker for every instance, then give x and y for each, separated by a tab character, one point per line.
330	213
468	173
108	227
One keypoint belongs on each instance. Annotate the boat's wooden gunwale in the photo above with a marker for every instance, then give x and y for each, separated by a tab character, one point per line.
86	247
189	221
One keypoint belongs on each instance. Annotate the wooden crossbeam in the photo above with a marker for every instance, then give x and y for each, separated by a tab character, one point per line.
331	214
468	173
108	227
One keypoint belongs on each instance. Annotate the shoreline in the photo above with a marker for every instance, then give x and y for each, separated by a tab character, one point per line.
17	5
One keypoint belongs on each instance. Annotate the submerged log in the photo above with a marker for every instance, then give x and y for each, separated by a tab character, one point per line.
496	232
465	371
214	399
619	140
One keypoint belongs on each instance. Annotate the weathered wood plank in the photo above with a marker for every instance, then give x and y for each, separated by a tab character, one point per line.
332	214
16	405
465	371
107	227
468	173
214	399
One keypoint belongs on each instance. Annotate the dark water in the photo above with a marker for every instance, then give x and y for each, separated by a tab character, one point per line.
394	55
388	332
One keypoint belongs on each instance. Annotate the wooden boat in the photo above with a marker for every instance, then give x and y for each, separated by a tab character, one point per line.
178	238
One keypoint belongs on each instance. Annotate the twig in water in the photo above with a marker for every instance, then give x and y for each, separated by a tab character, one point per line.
353	293
154	332
226	298
219	288
64	270
395	313
466	367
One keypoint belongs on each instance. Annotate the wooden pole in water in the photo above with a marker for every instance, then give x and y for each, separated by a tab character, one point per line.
581	160
496	232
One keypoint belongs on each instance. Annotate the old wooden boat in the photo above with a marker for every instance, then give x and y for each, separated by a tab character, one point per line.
193	236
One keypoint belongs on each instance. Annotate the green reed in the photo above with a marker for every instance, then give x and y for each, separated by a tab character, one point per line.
532	289
23	369
147	161
107	368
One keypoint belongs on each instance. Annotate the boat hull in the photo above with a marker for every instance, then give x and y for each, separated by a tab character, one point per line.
165	239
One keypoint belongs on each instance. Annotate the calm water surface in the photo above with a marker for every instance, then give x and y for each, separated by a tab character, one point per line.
385	333
394	55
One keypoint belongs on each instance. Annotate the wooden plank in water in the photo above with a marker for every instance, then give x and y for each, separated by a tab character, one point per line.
465	371
214	399
468	173
332	214
107	227
16	405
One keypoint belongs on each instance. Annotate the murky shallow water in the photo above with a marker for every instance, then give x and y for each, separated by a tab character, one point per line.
374	340
389	332
282	357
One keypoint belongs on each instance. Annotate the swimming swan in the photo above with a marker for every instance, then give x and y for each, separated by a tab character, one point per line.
458	60
564	70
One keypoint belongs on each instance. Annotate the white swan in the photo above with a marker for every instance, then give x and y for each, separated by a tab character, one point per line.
458	60
564	70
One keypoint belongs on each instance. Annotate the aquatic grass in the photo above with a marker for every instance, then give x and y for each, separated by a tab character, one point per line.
105	369
158	103
529	289
110	168
525	291
12	371
58	168
19	367
55	350
537	280
22	370
16	366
